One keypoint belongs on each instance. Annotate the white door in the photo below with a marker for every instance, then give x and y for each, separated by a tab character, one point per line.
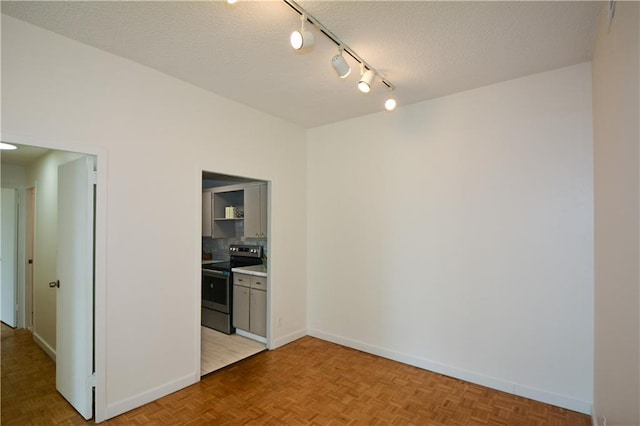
74	316
8	256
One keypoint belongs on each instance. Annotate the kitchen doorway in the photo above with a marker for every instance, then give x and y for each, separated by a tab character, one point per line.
234	287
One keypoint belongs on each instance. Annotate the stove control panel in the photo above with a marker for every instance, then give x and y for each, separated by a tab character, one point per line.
245	251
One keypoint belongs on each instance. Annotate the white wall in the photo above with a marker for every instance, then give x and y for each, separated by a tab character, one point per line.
13	176
457	235
616	110
155	134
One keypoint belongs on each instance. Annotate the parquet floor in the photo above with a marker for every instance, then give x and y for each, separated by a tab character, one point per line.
308	382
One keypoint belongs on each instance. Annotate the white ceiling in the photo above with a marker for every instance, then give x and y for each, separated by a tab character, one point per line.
242	52
23	156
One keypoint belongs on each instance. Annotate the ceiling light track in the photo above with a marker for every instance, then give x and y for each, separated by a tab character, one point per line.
341	45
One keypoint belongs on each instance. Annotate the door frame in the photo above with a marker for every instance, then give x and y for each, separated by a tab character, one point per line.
100	154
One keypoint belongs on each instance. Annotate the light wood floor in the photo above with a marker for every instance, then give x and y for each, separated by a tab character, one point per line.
308	382
219	350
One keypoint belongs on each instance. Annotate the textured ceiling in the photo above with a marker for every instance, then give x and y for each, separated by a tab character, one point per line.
242	52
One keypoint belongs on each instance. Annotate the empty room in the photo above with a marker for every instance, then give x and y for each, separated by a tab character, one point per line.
406	212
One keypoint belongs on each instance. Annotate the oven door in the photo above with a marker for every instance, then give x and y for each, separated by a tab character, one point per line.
215	290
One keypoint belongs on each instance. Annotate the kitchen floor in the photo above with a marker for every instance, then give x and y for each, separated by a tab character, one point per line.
219	350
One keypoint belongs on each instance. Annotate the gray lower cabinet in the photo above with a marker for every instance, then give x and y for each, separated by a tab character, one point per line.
250	304
258	312
241	307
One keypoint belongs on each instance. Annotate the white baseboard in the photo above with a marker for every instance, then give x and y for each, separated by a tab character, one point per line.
281	341
44	346
552	398
469	376
117	408
148	396
251	336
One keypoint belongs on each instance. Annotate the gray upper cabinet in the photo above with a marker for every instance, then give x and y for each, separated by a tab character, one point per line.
248	216
225	225
255	211
207	218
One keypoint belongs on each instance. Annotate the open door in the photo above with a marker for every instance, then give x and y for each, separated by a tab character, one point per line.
75	282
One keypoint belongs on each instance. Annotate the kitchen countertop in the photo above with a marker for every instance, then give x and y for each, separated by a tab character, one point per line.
255	270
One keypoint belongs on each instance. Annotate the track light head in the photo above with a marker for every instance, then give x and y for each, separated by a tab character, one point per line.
301	39
366	81
390	104
340	65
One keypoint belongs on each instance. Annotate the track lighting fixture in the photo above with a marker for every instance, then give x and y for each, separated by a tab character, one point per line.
302	39
366	80
340	64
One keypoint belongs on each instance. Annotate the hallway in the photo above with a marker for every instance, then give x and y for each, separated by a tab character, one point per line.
29	384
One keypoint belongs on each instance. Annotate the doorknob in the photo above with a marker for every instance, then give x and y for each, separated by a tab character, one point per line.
53	284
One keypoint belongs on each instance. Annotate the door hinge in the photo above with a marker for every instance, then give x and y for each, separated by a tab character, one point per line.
92	380
94	177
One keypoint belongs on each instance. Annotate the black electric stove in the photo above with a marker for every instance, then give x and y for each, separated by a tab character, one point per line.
217	286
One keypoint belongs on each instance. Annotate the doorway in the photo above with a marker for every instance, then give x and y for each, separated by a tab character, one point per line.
234	217
38	287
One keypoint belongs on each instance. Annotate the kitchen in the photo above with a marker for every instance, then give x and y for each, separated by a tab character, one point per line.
234	270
